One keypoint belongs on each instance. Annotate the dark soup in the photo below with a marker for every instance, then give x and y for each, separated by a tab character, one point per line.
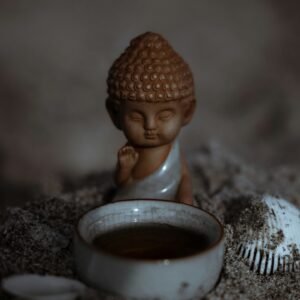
152	241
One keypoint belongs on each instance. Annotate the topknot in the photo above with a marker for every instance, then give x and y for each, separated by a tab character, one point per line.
150	70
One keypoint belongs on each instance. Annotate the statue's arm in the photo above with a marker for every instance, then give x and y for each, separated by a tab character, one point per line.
185	189
127	158
122	175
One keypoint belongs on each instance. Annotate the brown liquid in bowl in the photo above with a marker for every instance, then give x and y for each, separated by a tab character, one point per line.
149	241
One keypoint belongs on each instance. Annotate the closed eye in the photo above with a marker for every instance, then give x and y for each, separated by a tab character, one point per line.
135	116
165	115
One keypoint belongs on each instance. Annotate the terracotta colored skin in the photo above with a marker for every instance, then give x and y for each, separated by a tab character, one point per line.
151	129
151	96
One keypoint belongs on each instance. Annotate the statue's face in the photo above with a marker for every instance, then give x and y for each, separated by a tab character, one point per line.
151	124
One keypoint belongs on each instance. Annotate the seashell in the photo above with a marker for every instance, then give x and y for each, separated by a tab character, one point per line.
37	287
274	246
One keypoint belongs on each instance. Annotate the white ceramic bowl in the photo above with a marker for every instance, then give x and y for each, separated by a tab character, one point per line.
173	279
42	287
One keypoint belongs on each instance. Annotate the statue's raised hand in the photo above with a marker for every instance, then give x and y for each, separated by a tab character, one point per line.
127	157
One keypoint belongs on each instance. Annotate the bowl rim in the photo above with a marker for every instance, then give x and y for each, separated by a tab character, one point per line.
151	261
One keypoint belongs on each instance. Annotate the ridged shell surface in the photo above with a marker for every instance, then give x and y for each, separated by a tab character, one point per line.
275	246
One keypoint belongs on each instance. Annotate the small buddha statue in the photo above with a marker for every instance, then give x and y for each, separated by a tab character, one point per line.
150	98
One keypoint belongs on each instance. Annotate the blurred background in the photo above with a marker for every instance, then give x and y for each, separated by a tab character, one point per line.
54	59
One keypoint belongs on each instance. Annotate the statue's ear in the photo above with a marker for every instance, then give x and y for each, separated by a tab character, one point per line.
113	107
188	107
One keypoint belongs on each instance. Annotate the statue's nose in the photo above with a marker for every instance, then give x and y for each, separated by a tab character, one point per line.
150	124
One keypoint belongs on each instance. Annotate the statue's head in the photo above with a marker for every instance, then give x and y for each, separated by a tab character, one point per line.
150	92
